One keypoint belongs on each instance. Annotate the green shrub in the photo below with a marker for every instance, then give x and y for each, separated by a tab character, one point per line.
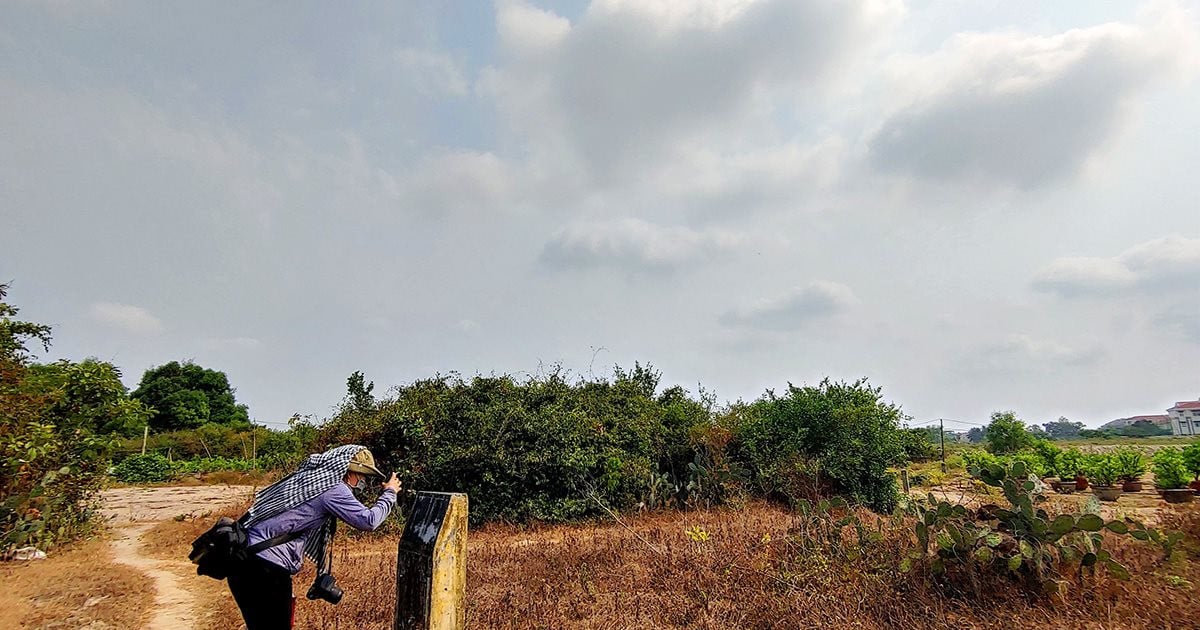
835	436
1071	463
1170	469
917	446
53	453
976	458
1102	469
1130	463
541	448
1191	459
148	468
1049	454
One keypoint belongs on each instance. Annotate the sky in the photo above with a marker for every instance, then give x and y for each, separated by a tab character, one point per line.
978	206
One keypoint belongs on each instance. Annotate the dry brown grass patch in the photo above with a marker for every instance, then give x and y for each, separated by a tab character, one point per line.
78	586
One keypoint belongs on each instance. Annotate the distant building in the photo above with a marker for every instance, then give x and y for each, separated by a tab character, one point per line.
1160	420
1185	417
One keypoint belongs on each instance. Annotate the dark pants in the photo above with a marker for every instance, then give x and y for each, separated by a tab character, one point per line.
263	592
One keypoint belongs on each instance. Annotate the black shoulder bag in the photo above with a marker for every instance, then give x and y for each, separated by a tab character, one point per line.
217	551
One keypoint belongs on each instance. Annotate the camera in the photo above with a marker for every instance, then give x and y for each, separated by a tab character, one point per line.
326	588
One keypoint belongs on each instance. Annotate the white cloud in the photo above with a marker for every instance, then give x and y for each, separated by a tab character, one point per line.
1025	111
633	82
1170	263
793	309
133	319
1022	354
526	30
634	245
432	73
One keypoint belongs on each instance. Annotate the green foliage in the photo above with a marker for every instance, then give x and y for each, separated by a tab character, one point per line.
148	468
1021	540
52	461
1142	428
1191	459
1006	434
541	448
185	395
1062	429
1170	469
358	394
977	458
976	435
1050	455
1071	463
917	444
1102	469
90	395
1129	462
836	434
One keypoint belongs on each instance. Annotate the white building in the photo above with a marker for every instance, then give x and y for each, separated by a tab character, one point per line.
1185	417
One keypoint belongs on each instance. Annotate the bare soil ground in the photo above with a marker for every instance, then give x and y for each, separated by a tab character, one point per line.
133	512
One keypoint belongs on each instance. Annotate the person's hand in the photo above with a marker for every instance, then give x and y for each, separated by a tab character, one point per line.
392	484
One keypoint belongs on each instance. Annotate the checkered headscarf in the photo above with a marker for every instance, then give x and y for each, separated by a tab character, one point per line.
318	473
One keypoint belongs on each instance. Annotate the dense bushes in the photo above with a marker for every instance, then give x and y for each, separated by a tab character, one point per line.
53	454
153	468
836	434
549	448
543	448
147	468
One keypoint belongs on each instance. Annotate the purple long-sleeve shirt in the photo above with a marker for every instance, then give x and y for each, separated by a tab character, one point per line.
337	501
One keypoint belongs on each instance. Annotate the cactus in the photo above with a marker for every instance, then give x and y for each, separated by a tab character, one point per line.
1021	540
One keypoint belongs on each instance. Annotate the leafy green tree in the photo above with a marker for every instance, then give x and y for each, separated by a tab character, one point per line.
1007	434
976	435
359	393
186	396
1062	429
90	394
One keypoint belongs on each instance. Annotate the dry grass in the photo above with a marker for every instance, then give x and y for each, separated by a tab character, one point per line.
76	587
751	572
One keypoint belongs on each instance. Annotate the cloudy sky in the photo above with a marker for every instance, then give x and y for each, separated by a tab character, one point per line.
978	206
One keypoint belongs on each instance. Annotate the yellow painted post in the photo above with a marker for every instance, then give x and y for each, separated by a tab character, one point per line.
431	564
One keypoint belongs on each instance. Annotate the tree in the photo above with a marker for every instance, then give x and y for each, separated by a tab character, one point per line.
1062	429
1007	434
977	435
359	393
1143	428
89	395
186	396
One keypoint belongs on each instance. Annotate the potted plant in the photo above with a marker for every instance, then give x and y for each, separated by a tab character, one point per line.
1171	475
1071	464
1103	471
1131	465
1191	459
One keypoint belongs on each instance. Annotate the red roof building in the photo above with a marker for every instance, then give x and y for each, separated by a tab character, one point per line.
1185	417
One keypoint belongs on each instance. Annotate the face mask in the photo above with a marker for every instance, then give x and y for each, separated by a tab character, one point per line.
360	486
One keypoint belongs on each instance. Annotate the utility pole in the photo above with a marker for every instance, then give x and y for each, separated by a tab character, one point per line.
942	436
145	436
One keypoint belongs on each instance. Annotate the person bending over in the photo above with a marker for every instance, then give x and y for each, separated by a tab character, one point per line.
305	504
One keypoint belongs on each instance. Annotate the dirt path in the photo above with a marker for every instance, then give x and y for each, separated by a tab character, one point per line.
133	511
